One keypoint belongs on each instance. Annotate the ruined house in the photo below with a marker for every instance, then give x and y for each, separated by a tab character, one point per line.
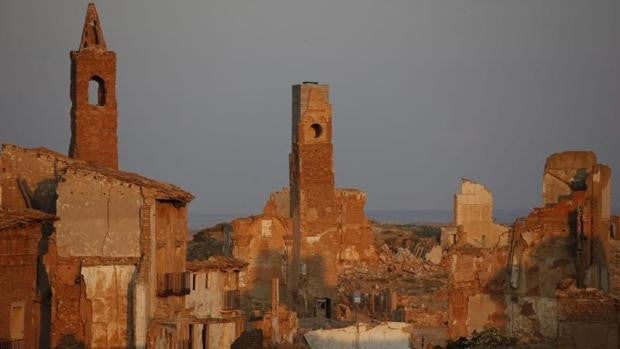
308	233
214	302
110	271
21	232
551	281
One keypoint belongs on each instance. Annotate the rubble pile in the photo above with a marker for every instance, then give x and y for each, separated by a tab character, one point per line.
401	286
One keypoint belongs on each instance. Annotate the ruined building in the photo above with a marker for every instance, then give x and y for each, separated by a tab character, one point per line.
104	254
551	281
312	230
214	302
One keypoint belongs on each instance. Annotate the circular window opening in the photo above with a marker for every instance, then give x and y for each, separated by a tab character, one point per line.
318	130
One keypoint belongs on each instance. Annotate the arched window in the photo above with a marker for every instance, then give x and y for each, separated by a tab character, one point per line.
318	130
96	91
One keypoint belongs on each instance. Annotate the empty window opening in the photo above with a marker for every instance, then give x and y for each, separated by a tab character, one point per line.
318	130
96	91
207	280
194	277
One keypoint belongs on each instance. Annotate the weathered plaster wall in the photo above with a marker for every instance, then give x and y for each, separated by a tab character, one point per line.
109	289
97	216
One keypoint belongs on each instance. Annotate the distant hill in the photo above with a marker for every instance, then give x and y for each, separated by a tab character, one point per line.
435	216
198	221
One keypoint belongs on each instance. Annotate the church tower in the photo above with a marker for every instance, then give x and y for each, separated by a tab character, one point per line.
93	96
314	207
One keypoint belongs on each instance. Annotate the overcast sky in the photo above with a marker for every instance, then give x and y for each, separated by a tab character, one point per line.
423	91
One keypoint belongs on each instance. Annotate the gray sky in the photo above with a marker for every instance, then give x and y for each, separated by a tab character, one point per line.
423	91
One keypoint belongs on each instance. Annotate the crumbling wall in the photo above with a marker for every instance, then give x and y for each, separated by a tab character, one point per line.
98	216
569	238
70	310
476	290
473	213
478	255
261	241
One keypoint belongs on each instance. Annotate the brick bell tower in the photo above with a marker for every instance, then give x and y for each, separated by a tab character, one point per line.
313	201
93	97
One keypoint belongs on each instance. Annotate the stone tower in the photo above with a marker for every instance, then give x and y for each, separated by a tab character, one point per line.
93	97
313	195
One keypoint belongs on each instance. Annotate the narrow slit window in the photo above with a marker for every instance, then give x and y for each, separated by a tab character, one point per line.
96	91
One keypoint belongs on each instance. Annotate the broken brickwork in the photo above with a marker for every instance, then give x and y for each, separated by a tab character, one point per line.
568	238
22	237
